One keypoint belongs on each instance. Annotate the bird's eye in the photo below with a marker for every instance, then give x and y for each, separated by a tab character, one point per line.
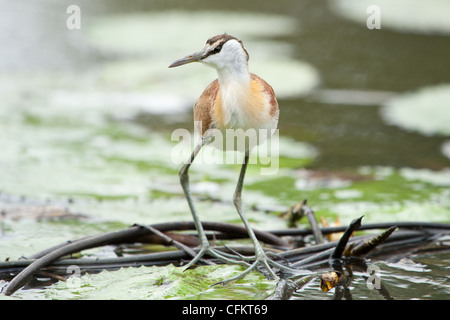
217	49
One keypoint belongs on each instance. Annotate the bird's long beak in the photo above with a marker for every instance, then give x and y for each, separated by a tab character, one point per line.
196	56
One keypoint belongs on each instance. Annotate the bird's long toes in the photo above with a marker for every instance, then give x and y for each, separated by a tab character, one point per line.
260	261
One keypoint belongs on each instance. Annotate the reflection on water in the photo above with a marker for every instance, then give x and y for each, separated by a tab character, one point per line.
420	277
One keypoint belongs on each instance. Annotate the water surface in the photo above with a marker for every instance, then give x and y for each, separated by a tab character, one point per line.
87	117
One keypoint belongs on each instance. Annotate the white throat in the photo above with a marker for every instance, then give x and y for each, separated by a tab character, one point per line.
234	75
235	88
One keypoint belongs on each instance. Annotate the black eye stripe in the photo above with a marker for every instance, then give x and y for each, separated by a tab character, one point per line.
213	51
221	39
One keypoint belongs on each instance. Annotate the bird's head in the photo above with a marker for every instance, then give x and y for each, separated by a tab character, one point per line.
220	52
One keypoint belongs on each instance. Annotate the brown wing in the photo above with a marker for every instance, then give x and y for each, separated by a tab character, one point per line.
268	90
204	105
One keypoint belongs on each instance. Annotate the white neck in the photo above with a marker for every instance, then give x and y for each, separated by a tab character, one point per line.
236	73
234	83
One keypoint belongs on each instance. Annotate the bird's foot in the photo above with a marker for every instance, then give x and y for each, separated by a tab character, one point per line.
205	249
261	259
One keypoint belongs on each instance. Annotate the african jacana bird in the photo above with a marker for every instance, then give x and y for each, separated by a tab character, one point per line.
238	99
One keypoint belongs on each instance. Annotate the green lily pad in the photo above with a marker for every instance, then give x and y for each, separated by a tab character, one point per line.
446	148
163	283
379	194
148	53
425	110
178	29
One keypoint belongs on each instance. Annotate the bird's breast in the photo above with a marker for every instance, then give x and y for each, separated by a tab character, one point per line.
244	106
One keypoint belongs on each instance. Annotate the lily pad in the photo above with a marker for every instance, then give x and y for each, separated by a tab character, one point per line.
438	178
146	53
426	110
165	32
169	282
446	149
380	194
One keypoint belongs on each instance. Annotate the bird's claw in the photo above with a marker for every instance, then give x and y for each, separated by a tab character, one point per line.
261	260
226	257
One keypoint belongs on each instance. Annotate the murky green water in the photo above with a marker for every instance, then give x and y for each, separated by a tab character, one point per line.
87	116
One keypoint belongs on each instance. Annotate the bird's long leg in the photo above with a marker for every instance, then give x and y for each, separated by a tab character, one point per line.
204	247
260	255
